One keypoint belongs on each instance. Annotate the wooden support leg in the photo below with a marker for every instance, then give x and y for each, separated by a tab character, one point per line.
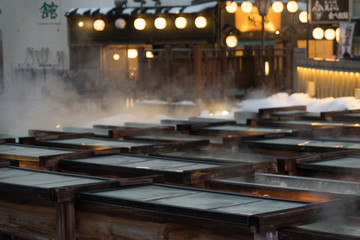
65	221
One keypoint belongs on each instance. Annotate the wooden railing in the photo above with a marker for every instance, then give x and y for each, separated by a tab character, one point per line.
195	73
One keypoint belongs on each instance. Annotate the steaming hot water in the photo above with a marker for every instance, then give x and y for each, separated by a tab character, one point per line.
21	113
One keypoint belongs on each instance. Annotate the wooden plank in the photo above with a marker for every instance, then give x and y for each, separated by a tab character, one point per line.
268	222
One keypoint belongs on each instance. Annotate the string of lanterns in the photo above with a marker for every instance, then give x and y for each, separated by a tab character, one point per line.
278	7
160	23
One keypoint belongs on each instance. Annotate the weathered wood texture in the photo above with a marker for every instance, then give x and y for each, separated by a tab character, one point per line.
99	221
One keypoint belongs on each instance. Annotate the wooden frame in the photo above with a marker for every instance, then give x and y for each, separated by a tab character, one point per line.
36	211
47	161
284	186
180	214
118	167
300	165
124	146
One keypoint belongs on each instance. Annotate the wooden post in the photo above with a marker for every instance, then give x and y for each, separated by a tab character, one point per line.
248	67
259	67
142	66
65	220
198	71
168	74
289	67
224	66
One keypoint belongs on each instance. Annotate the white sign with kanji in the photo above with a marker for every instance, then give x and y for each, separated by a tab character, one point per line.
48	11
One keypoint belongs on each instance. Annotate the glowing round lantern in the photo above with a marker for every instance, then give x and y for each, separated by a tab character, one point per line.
231	41
303	16
231	6
99	25
330	34
81	24
200	22
160	23
277	6
337	33
180	22
246	7
139	24
318	33
292	6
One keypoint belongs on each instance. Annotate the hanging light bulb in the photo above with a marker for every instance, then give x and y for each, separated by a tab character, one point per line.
140	24
180	22
200	22
99	25
231	41
246	7
318	33
292	6
303	16
160	23
337	33
231	6
277	6
330	34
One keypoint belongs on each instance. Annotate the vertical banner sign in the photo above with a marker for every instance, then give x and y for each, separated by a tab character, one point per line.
346	37
48	11
328	11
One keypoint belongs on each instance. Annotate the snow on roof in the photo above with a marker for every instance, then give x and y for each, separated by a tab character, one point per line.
105	10
81	11
200	7
175	10
130	10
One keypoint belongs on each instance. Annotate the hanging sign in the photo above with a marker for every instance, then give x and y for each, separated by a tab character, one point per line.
345	39
48	11
329	11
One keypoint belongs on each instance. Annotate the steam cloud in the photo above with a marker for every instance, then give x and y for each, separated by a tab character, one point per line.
40	104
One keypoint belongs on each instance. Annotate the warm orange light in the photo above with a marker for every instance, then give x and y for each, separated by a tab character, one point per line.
132	53
231	41
149	54
160	23
81	24
246	7
116	56
139	24
303	16
330	34
318	33
200	22
180	22
99	25
292	6
231	6
277	6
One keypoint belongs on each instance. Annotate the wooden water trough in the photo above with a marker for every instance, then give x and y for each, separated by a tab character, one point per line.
37	204
259	162
96	143
287	187
336	228
300	145
162	211
37	157
175	171
314	128
342	165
